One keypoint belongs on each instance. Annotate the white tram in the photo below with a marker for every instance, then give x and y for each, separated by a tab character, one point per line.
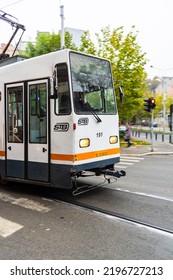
58	119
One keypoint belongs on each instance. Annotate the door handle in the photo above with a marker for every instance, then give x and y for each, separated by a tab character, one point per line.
44	150
9	148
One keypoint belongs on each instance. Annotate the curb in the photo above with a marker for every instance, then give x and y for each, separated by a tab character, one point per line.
148	154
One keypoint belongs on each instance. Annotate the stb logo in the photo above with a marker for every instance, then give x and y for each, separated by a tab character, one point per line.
61	127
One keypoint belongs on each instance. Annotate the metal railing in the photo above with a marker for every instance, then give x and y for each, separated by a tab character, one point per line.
157	136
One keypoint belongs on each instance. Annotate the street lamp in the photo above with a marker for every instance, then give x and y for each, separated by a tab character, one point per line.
62	26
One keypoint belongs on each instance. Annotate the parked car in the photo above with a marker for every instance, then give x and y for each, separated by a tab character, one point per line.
122	129
144	123
154	124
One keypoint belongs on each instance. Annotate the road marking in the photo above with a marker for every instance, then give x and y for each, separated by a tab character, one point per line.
146	194
7	227
127	161
24	202
129	157
120	166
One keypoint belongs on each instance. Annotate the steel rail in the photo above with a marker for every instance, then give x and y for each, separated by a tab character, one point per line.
114	215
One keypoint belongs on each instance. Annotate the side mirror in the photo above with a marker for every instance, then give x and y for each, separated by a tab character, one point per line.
121	92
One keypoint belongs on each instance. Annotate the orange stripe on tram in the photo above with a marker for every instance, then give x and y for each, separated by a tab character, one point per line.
2	153
85	156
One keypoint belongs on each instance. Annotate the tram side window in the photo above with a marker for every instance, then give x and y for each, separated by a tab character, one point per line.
38	113
62	104
15	114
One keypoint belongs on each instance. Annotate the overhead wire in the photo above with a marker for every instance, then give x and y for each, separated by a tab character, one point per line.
14	3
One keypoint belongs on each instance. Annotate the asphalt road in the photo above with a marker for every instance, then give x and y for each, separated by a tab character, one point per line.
34	225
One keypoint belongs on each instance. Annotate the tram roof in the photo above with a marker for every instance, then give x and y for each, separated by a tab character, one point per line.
32	68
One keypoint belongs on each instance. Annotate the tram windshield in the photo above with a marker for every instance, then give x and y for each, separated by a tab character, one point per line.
92	85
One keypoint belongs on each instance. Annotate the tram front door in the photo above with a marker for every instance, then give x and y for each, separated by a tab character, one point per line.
15	166
27	153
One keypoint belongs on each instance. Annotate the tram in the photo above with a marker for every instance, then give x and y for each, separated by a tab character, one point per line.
58	120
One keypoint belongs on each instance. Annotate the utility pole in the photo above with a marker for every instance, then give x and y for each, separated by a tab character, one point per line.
164	104
149	105
171	121
62	26
152	128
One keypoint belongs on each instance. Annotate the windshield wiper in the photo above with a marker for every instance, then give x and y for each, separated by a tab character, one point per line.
92	111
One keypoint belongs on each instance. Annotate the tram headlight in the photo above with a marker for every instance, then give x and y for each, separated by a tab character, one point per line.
113	139
84	143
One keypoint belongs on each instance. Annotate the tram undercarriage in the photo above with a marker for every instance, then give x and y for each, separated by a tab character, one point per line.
79	182
108	177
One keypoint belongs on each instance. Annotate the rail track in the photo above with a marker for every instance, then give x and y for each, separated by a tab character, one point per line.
67	198
115	215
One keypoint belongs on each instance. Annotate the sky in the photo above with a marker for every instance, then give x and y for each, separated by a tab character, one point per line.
153	19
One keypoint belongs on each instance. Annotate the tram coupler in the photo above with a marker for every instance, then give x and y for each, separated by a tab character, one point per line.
114	173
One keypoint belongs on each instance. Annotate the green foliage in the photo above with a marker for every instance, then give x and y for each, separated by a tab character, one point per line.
87	45
168	104
127	60
47	43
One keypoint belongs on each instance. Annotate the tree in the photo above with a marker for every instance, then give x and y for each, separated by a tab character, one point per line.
152	84
87	45
127	60
47	43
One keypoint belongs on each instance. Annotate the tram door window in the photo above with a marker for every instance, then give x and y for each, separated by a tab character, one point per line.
15	114
15	125
38	113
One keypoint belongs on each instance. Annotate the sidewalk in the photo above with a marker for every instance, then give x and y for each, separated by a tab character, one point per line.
159	148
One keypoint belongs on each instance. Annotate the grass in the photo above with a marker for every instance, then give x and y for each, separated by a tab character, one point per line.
134	142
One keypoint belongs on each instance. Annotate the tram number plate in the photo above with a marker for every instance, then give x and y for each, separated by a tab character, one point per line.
99	134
